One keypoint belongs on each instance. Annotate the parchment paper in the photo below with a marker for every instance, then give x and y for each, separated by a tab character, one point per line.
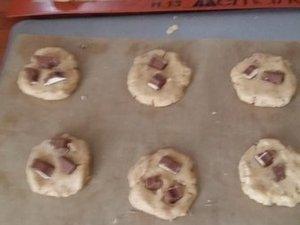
121	130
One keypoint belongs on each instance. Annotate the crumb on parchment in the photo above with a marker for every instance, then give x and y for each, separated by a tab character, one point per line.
172	29
83	97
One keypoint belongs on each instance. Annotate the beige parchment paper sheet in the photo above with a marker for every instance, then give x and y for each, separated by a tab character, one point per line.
120	130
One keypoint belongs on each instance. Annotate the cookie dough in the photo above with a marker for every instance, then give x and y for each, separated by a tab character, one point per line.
59	166
52	74
158	78
163	184
264	80
270	173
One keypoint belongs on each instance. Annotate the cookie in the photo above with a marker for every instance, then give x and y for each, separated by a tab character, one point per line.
264	80
158	78
270	173
59	166
52	74
163	184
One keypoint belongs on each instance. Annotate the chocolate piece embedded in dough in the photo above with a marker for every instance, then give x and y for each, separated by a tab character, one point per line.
157	81
265	158
279	172
60	143
32	74
158	62
153	183
43	168
274	77
47	62
251	71
55	77
66	165
174	193
169	164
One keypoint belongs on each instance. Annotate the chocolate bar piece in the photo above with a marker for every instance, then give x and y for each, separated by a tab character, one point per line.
47	62
174	193
279	172
60	143
32	74
43	168
158	62
157	81
55	77
66	165
251	71
274	77
265	158
169	164
153	183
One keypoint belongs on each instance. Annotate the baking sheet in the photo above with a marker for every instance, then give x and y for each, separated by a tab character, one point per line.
120	130
244	25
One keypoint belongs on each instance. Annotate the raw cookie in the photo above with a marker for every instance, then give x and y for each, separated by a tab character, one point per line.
59	167
158	78
52	74
264	80
163	184
270	173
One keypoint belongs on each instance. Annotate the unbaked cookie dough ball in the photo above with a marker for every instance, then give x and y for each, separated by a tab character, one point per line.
52	74
270	173
158	78
163	184
59	166
264	80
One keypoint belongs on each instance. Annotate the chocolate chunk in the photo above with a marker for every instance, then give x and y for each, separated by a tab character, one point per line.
158	62
169	164
32	74
43	168
157	81
174	193
153	183
274	77
279	172
251	71
57	73
265	158
60	143
66	165
55	77
47	62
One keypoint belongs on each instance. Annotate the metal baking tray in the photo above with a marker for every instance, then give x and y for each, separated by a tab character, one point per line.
220	200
